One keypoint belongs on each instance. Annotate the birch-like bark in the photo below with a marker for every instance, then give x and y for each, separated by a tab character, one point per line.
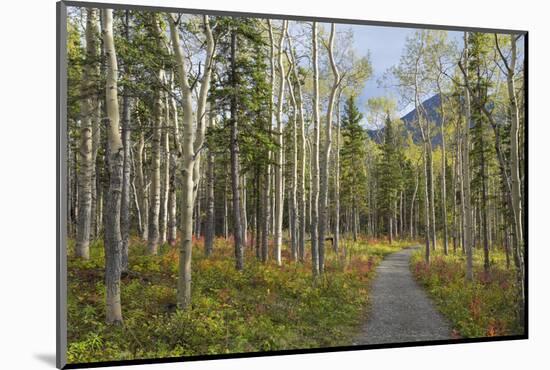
184	276
515	168
315	157
466	171
141	186
87	164
115	163
210	210
158	123
202	104
235	168
279	153
443	172
126	142
324	168
165	172
301	152
293	211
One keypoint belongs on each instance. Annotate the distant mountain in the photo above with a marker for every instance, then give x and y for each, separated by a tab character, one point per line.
431	107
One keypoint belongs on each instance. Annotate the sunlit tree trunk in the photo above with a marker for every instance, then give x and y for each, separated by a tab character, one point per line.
158	123
210	215
141	186
336	236
174	155
126	142
324	168
466	171
165	173
279	184
443	173
315	157
292	198
88	111
184	277
301	188
235	168
115	163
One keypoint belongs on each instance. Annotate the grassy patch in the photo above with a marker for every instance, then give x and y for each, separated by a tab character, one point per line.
483	308
265	307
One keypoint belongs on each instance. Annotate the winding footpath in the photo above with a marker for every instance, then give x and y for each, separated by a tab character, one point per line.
400	309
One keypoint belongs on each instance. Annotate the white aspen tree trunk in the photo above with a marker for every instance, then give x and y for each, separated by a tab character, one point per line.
466	171
184	276
94	225
125	196
301	188
86	141
336	236
126	142
141	186
172	202
292	208
190	151
174	155
443	173
165	173
432	187
202	104
515	165
266	197
235	168
155	189
279	193
425	153
315	157
210	210
115	162
411	231
515	176
324	168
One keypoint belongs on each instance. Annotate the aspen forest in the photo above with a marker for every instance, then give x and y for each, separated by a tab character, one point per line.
240	184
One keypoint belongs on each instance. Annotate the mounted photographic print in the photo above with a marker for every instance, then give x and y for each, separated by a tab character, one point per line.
234	184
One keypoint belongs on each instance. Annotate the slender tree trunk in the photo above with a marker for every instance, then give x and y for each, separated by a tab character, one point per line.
115	160
184	278
443	174
125	197
315	158
127	144
292	205
336	236
235	171
141	187
172	202
301	178
412	204
244	214
466	172
154	201
280	151
86	141
324	168
165	173
210	215
515	175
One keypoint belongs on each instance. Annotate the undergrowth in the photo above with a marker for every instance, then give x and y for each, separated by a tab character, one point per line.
265	307
486	307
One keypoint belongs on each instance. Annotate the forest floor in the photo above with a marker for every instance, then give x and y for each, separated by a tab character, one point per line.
485	307
263	308
400	310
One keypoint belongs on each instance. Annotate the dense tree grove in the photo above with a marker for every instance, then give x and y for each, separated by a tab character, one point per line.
184	127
